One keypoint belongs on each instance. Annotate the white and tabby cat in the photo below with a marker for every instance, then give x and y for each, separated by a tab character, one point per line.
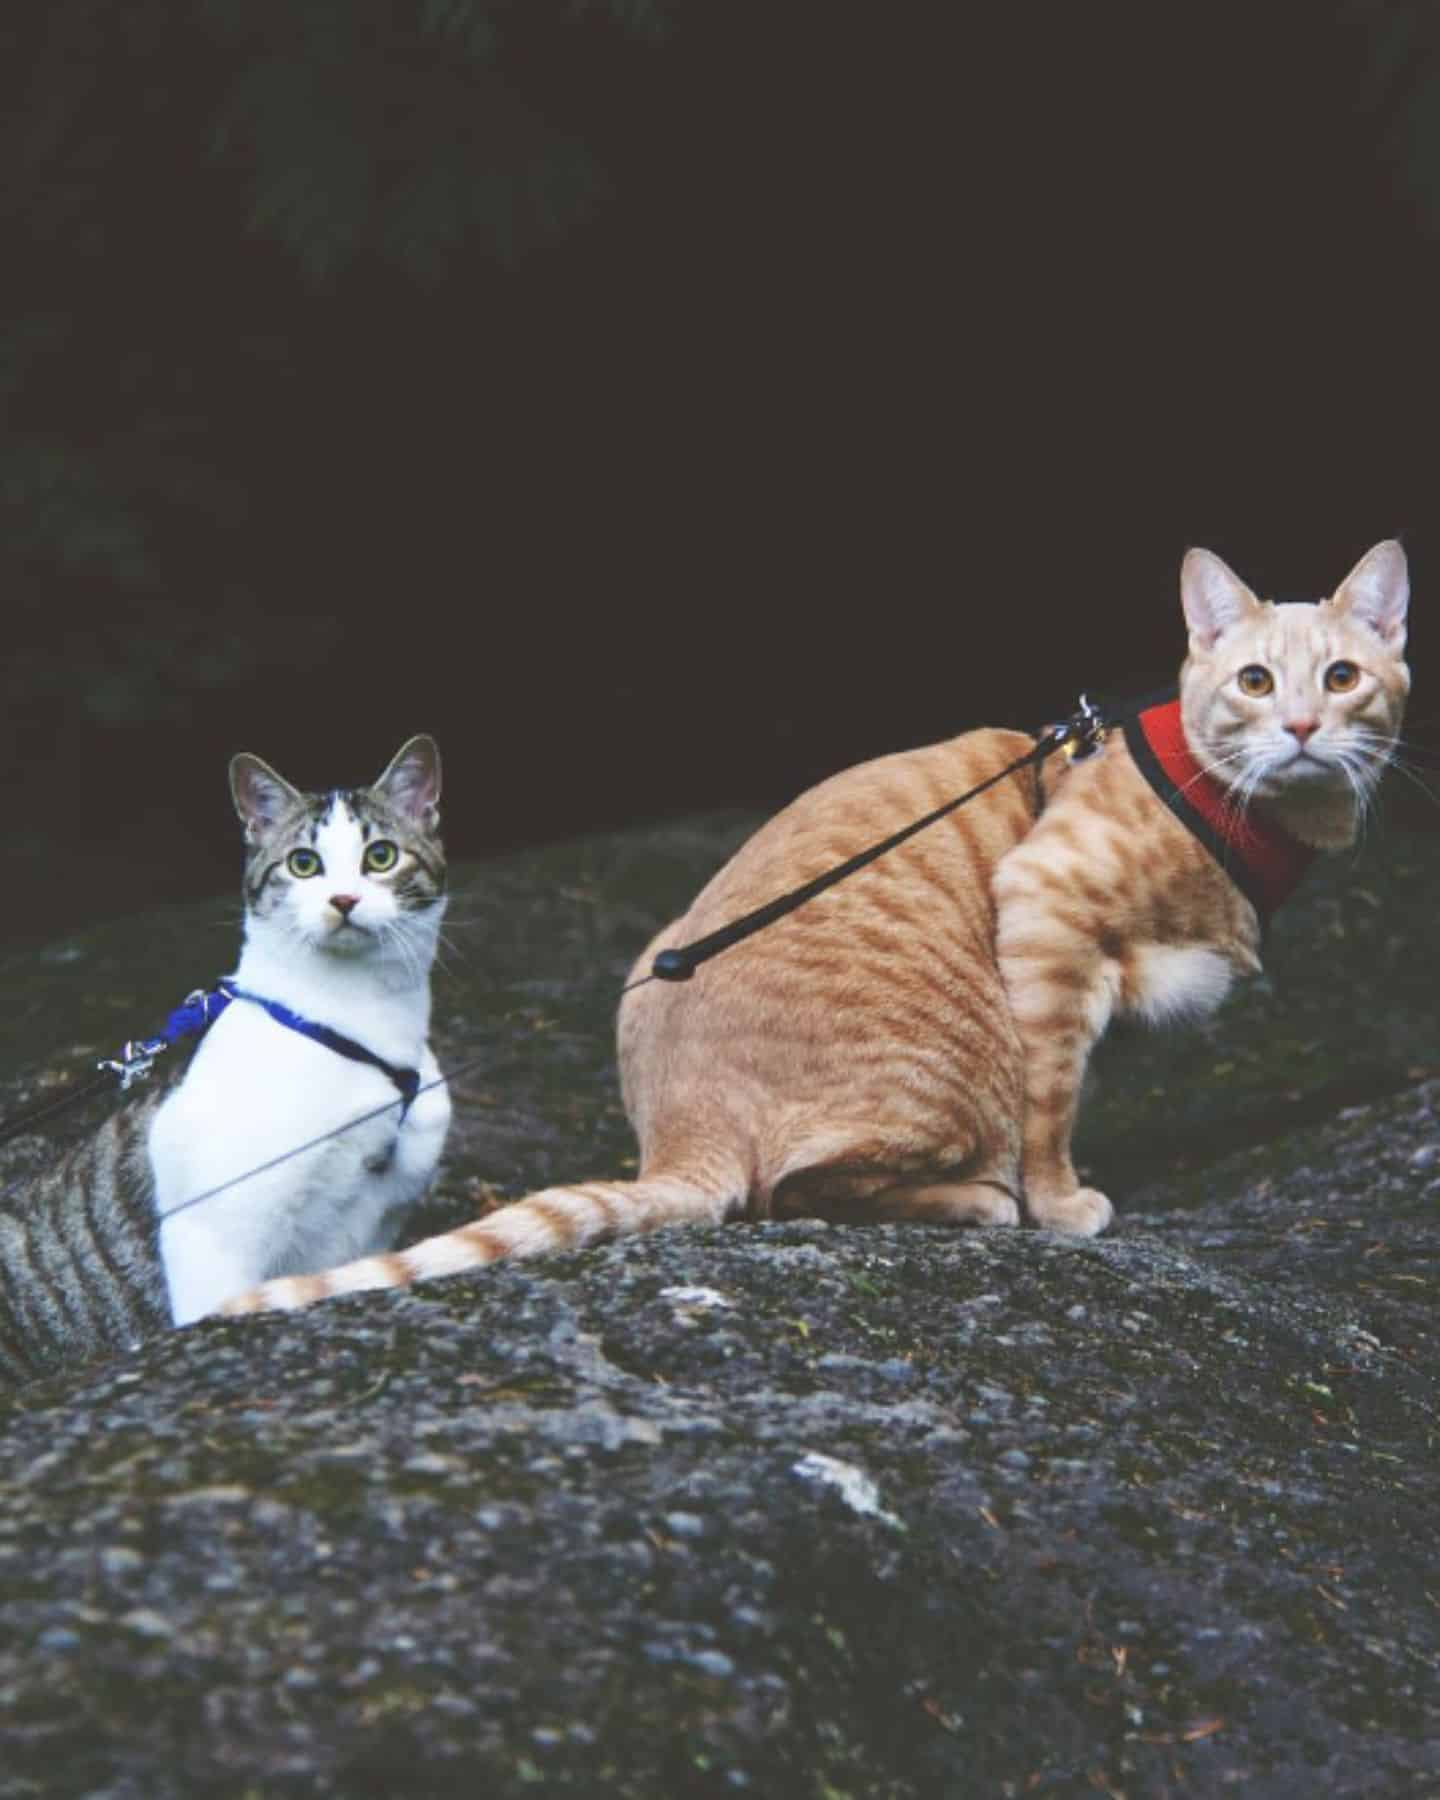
910	1044
158	1218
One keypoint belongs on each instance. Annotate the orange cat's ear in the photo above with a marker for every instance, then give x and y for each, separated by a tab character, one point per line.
1214	598
1376	593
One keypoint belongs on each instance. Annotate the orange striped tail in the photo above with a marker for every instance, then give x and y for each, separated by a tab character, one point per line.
562	1218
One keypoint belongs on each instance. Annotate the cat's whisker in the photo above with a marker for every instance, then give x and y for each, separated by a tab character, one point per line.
1236	795
446	949
391	946
1360	788
393	933
1367	773
1415	778
1387	752
1207	771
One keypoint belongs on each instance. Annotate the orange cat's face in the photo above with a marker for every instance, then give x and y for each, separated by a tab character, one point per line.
1285	701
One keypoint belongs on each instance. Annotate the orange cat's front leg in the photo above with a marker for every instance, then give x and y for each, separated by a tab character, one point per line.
1062	991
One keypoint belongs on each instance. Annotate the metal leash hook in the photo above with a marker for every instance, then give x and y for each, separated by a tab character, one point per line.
191	1019
1083	733
135	1061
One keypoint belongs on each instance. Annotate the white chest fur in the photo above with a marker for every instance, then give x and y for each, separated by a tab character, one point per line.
1174	981
256	1092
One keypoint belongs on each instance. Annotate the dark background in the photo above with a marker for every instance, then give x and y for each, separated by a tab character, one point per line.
666	402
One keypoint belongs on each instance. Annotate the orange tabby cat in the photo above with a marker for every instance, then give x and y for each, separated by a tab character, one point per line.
910	1044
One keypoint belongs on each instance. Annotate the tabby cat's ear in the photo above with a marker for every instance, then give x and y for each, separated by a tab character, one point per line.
1214	598
411	784
1376	593
261	796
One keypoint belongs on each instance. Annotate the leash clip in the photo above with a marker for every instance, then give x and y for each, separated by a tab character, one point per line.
134	1062
1083	733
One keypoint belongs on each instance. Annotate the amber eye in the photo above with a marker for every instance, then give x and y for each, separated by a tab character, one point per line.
302	864
1341	677
1255	681
380	856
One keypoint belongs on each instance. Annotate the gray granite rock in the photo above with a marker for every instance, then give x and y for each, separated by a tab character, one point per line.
775	1510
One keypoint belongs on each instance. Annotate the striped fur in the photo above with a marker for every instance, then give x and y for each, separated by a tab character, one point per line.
80	1270
910	1044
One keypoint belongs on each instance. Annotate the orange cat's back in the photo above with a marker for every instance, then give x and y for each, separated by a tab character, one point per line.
866	1037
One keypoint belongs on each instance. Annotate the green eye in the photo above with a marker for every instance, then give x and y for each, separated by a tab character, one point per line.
302	864
1255	681
380	856
1341	677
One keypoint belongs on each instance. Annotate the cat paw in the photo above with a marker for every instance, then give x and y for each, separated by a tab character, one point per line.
948	1203
992	1208
1085	1213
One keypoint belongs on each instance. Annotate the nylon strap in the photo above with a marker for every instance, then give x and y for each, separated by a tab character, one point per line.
1258	855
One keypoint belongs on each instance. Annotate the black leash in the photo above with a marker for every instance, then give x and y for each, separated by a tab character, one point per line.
1079	735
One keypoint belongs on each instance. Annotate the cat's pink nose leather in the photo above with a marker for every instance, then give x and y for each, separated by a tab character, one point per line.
344	904
1300	729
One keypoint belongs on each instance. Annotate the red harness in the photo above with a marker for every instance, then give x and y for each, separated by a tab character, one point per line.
1261	858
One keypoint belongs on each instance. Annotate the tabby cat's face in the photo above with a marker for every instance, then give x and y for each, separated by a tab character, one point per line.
1284	700
355	872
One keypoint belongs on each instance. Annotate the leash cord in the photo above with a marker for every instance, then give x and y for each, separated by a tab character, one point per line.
27	1121
324	1138
1082	728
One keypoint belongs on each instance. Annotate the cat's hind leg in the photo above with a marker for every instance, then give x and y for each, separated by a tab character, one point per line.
854	1197
975	1202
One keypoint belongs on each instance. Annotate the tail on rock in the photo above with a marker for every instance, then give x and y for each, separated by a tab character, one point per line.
562	1218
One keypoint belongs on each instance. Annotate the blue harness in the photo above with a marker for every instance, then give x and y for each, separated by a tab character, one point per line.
200	1011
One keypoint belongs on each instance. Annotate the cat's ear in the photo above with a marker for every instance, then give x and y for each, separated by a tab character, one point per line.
1376	593
1214	598
261	796
411	784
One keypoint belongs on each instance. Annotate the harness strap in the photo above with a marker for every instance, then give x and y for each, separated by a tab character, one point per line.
407	1081
1263	860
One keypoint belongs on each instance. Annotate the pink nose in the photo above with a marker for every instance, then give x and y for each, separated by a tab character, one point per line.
344	904
1300	729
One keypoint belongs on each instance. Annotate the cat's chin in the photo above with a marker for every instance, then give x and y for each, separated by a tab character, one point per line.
346	941
1309	783
1303	766
1323	814
1304	777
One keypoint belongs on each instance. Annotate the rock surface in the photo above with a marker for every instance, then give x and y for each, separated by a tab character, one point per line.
780	1510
